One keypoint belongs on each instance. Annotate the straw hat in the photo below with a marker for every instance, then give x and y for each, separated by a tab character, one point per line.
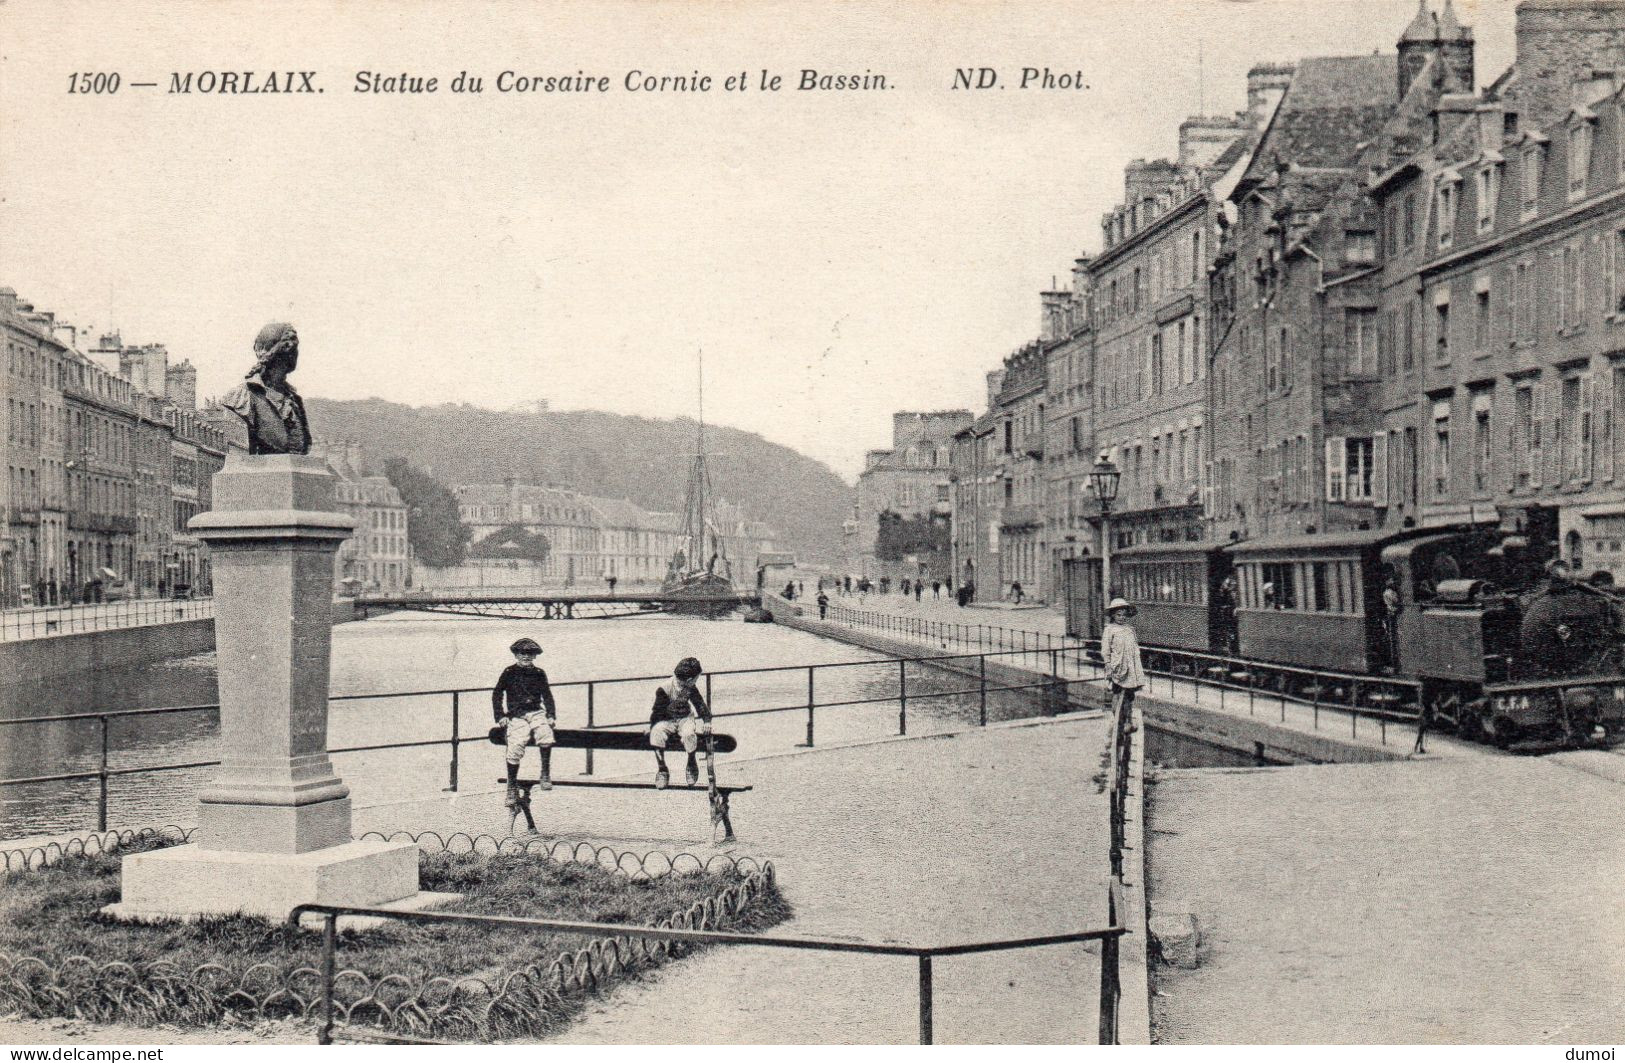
1119	603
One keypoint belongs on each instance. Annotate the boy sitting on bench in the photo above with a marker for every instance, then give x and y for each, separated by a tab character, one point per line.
679	710
530	713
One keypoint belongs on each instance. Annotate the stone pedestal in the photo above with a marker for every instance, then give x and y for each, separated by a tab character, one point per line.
274	826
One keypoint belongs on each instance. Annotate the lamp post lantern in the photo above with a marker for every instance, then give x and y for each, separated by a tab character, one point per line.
1104	477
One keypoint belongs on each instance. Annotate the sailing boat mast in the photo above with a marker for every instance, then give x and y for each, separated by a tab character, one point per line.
699	465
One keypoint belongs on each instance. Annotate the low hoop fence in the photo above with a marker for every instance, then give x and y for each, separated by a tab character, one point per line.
391	1007
673	936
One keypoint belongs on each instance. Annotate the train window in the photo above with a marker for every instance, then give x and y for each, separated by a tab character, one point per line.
1280	586
1322	602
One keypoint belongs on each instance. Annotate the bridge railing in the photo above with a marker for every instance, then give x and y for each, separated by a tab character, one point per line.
51	620
1063	668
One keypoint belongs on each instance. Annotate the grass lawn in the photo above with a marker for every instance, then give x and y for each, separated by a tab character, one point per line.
428	980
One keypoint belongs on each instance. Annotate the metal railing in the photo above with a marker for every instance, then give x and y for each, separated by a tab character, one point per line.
1065	666
923	954
1118	772
50	620
984	637
1380	699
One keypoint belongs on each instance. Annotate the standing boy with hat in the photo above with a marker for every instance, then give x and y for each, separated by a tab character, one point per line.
679	710
529	712
1121	649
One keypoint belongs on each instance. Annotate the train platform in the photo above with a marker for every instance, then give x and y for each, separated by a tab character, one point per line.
1410	903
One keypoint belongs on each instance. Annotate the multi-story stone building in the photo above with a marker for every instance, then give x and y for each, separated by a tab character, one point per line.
1067	337
909	482
1503	299
524	534
1020	408
1152	319
1296	287
377	557
977	493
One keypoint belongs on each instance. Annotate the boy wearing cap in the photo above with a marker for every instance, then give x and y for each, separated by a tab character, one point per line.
529	713
1121	649
679	710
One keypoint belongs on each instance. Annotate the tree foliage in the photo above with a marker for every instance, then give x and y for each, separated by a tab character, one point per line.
897	537
433	527
610	455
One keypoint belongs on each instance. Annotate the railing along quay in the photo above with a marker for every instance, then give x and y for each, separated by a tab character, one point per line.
923	954
1379	699
48	620
1060	661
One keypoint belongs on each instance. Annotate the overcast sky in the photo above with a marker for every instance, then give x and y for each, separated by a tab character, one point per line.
838	256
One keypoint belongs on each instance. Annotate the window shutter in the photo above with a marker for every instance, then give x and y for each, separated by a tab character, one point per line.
1379	469
1517	456
1537	432
1602	423
1334	468
1511	323
1605	273
1585	430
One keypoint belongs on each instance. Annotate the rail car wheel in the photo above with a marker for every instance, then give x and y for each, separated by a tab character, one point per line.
1471	723
1500	729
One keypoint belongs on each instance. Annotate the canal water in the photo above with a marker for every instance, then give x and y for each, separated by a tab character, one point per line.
407	652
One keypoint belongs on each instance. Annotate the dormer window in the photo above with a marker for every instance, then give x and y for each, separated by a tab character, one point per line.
1529	182
1447	201
1489	193
1580	132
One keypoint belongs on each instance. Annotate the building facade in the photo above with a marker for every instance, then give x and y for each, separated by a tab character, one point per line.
909	482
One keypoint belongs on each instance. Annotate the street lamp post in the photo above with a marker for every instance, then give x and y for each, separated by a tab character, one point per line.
1105	478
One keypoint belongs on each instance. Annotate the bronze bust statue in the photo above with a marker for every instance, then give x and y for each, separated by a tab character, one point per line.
266	402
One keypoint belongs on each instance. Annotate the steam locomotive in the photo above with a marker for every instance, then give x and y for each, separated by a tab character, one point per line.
1461	625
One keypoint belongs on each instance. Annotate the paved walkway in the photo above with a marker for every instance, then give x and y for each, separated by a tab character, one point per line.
1473	900
971	836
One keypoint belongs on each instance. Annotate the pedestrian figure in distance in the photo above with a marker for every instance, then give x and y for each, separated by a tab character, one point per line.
919	586
905	586
1424	719
1120	647
1391	606
801	588
523	701
936	588
790	591
823	605
849	585
1015	591
680	711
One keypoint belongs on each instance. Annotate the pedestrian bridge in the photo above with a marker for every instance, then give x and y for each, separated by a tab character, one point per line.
541	604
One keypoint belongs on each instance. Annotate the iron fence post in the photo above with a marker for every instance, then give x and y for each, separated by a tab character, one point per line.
925	998
324	1035
981	669
1109	991
456	730
810	706
1354	714
591	709
902	697
101	779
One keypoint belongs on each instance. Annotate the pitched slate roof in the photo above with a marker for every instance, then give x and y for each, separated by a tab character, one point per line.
1334	106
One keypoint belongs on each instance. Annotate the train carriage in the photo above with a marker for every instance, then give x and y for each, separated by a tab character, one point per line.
1175	590
1312	601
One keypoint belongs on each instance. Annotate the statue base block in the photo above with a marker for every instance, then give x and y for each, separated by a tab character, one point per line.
187	881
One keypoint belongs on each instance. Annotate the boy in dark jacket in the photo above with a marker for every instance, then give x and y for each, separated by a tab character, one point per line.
529	713
680	710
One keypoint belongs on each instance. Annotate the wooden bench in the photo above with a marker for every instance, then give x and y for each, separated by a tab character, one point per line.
628	741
